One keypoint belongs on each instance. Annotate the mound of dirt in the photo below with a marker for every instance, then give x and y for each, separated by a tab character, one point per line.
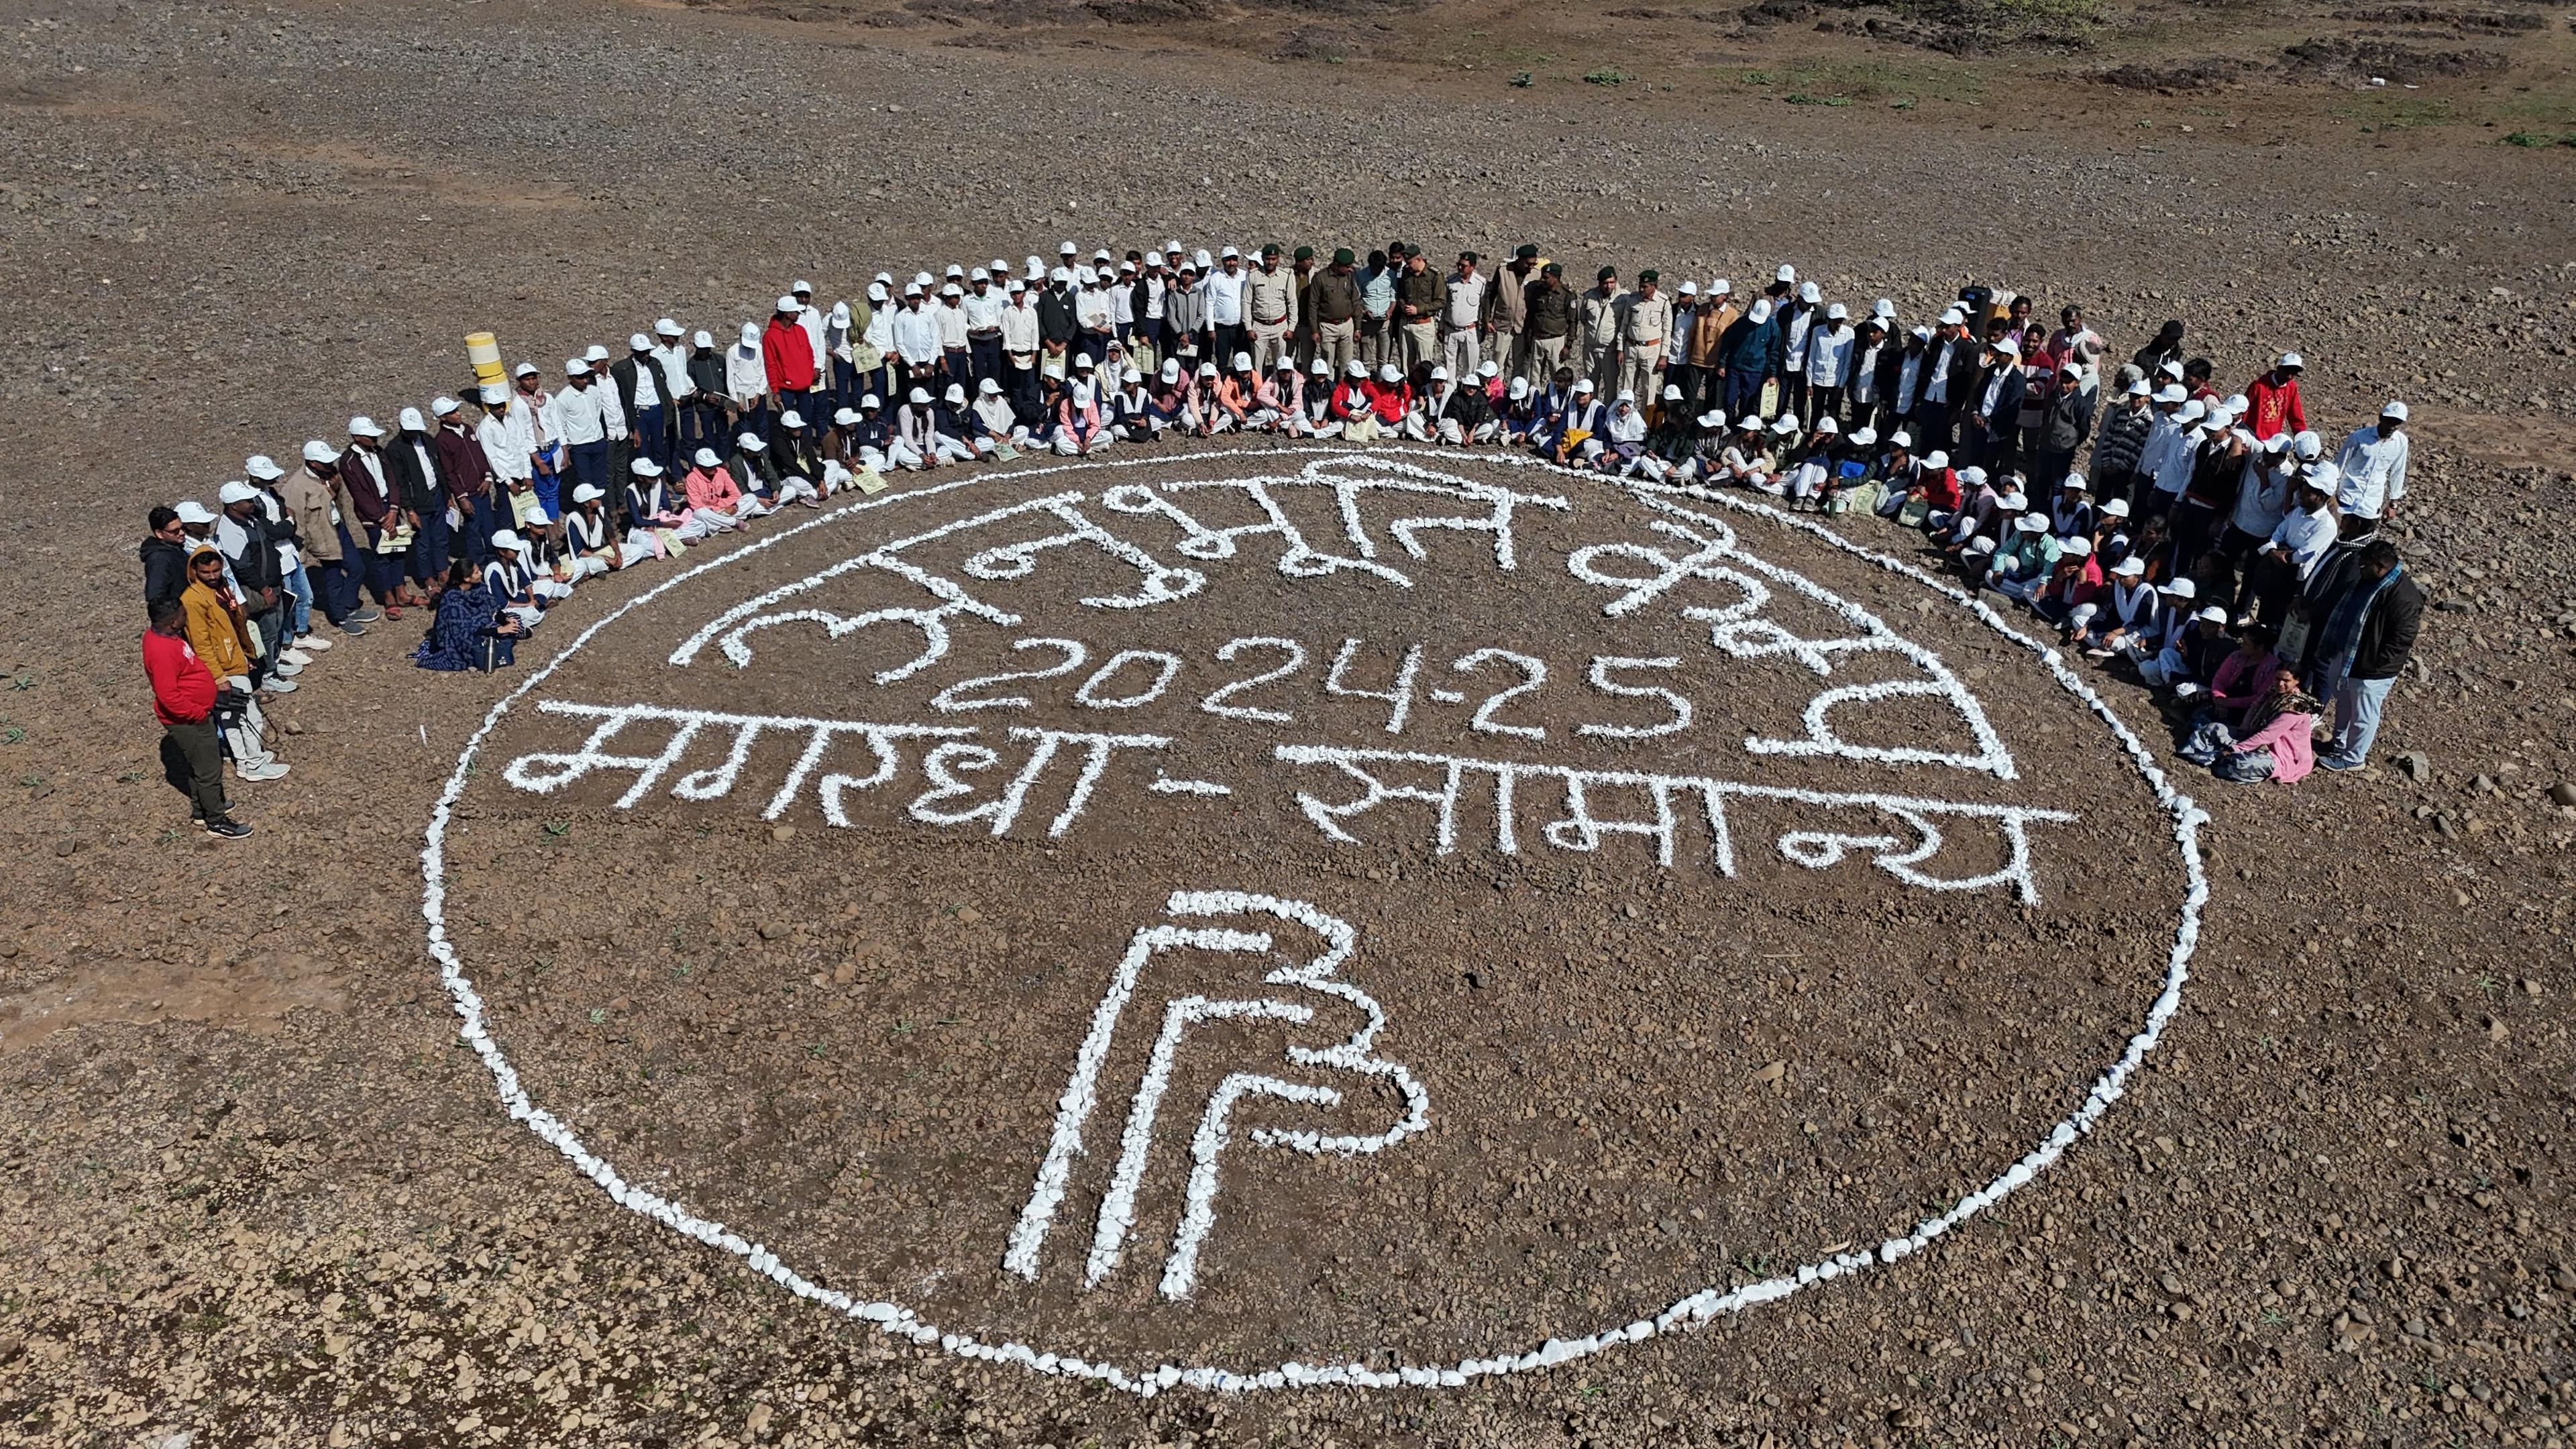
2338	57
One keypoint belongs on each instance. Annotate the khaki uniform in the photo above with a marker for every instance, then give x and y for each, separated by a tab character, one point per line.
1598	316
1270	311
1643	336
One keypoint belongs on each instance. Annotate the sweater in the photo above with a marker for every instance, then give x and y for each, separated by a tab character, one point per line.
183	689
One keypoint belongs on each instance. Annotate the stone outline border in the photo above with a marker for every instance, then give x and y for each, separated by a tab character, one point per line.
1699	1307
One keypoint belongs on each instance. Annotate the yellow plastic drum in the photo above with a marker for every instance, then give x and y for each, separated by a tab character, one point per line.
484	351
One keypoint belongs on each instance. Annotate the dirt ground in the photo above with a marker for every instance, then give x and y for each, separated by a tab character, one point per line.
253	1189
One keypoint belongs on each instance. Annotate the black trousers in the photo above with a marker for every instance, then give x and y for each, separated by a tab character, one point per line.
194	762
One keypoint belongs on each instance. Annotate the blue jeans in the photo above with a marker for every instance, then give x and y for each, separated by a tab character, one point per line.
657	442
1743	392
2357	708
299	594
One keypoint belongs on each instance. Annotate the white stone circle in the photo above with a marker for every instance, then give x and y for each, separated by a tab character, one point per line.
1141	675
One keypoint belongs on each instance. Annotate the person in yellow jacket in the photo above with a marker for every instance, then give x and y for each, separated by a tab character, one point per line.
214	628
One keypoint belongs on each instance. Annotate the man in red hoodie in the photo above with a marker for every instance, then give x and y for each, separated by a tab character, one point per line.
2273	401
787	352
183	698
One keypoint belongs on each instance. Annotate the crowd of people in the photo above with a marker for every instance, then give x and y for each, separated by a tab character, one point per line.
2217	545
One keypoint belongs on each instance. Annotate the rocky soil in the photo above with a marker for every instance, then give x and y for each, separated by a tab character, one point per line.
256	1193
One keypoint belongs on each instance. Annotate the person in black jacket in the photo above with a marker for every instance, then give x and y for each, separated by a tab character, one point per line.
419	483
165	560
2394	616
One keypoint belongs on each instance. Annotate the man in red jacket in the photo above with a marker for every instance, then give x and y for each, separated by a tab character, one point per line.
2274	406
787	351
183	698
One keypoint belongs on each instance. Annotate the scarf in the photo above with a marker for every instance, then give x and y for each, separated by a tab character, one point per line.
2341	637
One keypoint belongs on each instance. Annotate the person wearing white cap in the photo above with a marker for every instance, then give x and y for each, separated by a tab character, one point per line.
2373	464
473	502
747	385
2120	435
244	537
1001	423
1348	405
2273	405
794	461
2061	414
753	467
1125	405
1079	427
1422	422
713	499
2197	646
1278	395
2024	560
1989	428
581	417
592	545
2129	611
1949	377
919	353
1830	342
321	542
421	498
658	515
2165	463
1316	395
294	578
1800	312
644	399
2289	557
515	582
789	354
2076	581
184	696
1750	357
983	306
919	442
374	516
1574	435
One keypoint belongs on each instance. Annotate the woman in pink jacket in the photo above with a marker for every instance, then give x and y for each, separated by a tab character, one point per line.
2272	744
714	500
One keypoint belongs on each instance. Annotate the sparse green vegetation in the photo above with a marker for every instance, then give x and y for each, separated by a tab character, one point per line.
1608	75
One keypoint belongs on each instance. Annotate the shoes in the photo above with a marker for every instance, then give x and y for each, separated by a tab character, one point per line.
293	658
352	627
312	643
227	828
393	611
287	668
278	686
365	614
264	771
2331	760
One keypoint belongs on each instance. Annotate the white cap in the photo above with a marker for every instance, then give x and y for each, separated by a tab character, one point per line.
1721	288
2129	568
2032	523
589	492
1690	289
2212	615
1972	475
494	393
1581	384
363	426
1837	313
2183	589
2291	359
1900	439
2076	547
1321	368
1388	373
441	405
1826	426
790	418
2007	347
1067	249
639	343
979	275
2075	481
1082	394
2309	446
318	451
234	492
2321	476
1284	364
2140	389
1229	252
1172	368
575	367
667	327
594	353
843	417
524	369
410	421
1672	393
191	511
703	338
1489	368
1810	293
1863	437
2115	508
1626	395
641	468
2191	412
1883	308
1786	425
2013	500
706	458
1243	362
1787	273
1952	316
1519	387
1201	258
954	271
1357	368
507	538
956	392
1082	362
790	304
801	287
263	467
878	292
2171	392
840	314
917	396
1936	460
2395	409
752	443
870	400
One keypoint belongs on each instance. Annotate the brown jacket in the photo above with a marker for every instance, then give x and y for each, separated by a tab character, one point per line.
1334	298
213	632
309	499
1508	301
1707	327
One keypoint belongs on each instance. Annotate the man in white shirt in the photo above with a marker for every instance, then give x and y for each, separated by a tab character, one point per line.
582	422
1462	318
984	306
2275	575
2373	462
1829	363
1020	343
916	342
809	319
954	356
1225	314
671	355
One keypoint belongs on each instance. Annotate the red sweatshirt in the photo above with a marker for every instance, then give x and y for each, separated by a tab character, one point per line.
2275	408
789	355
183	689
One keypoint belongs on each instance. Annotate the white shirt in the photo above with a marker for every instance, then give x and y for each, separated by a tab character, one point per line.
1829	356
1091	309
984	313
1799	329
2374	472
1122	305
811	319
916	336
674	381
2306	536
746	376
1224	298
879	333
2167	456
648	381
508	438
1466	300
612	413
1154	299
578	416
1936	382
1020	328
2262	496
952	324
